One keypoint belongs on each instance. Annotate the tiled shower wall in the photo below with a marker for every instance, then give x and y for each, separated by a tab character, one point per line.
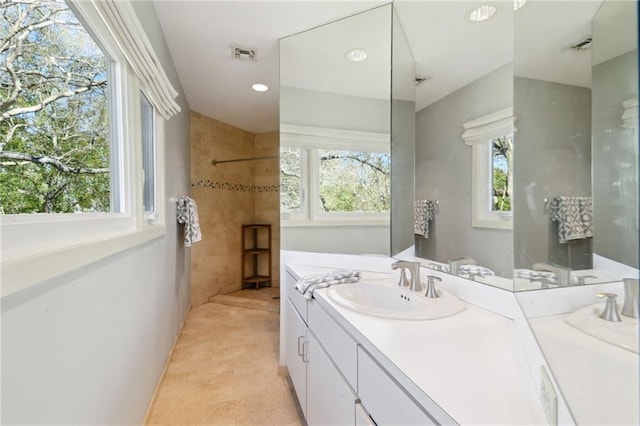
230	195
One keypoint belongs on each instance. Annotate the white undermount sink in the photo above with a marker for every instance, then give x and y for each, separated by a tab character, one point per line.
392	301
622	334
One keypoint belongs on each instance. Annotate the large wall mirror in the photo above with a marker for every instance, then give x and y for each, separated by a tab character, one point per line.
335	111
576	154
526	160
575	212
464	86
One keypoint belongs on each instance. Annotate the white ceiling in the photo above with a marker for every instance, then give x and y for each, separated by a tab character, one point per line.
450	49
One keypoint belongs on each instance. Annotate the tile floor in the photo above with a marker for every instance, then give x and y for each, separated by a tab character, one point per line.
224	371
265	299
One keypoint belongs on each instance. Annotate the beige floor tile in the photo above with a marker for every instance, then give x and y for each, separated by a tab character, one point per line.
224	371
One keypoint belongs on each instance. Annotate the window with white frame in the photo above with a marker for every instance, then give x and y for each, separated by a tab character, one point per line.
72	127
330	174
148	131
56	114
491	139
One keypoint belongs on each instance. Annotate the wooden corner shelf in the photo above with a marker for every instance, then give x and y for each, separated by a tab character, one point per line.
256	250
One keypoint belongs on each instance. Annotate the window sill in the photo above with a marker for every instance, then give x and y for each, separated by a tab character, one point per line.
333	222
27	270
497	222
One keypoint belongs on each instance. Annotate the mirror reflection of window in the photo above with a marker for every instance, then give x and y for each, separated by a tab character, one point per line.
501	173
291	183
351	181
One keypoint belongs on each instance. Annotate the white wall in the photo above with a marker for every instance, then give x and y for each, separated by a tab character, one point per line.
88	347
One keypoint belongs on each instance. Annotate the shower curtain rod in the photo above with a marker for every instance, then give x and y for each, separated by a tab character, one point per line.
214	162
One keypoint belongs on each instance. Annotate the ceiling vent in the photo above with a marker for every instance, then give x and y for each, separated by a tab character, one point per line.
241	53
581	46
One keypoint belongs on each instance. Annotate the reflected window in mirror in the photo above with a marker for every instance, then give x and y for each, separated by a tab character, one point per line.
329	174
292	184
491	140
501	163
351	182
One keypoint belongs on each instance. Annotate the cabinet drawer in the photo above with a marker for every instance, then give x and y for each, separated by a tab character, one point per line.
340	346
386	402
299	302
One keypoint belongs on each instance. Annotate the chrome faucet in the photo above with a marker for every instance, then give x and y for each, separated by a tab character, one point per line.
431	287
414	268
582	279
610	312
457	263
563	274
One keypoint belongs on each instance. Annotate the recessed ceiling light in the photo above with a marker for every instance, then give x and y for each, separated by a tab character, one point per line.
356	54
258	87
517	4
482	13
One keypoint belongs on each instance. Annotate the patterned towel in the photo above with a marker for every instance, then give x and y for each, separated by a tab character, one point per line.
423	212
309	283
187	214
574	216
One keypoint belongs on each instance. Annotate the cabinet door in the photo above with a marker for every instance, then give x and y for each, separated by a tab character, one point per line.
330	401
295	344
385	401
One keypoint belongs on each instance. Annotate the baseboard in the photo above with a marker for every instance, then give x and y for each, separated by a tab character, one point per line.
283	371
156	391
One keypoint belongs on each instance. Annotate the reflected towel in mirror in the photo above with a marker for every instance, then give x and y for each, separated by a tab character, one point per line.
476	270
574	216
423	212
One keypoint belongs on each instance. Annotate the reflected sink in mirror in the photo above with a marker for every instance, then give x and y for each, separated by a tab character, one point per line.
394	302
623	334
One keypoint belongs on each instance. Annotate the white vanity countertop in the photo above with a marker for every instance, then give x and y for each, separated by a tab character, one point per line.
613	374
471	364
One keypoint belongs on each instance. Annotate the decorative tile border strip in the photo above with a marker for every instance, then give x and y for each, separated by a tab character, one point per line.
230	186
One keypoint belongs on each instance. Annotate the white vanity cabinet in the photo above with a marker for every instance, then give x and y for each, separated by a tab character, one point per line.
323	393
336	381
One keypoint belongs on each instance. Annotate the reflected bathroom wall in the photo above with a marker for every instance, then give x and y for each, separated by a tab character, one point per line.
615	133
403	139
553	158
575	203
444	174
463	73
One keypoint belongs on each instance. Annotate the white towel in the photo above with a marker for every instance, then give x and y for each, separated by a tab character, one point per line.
438	267
532	275
476	270
309	283
548	276
187	214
